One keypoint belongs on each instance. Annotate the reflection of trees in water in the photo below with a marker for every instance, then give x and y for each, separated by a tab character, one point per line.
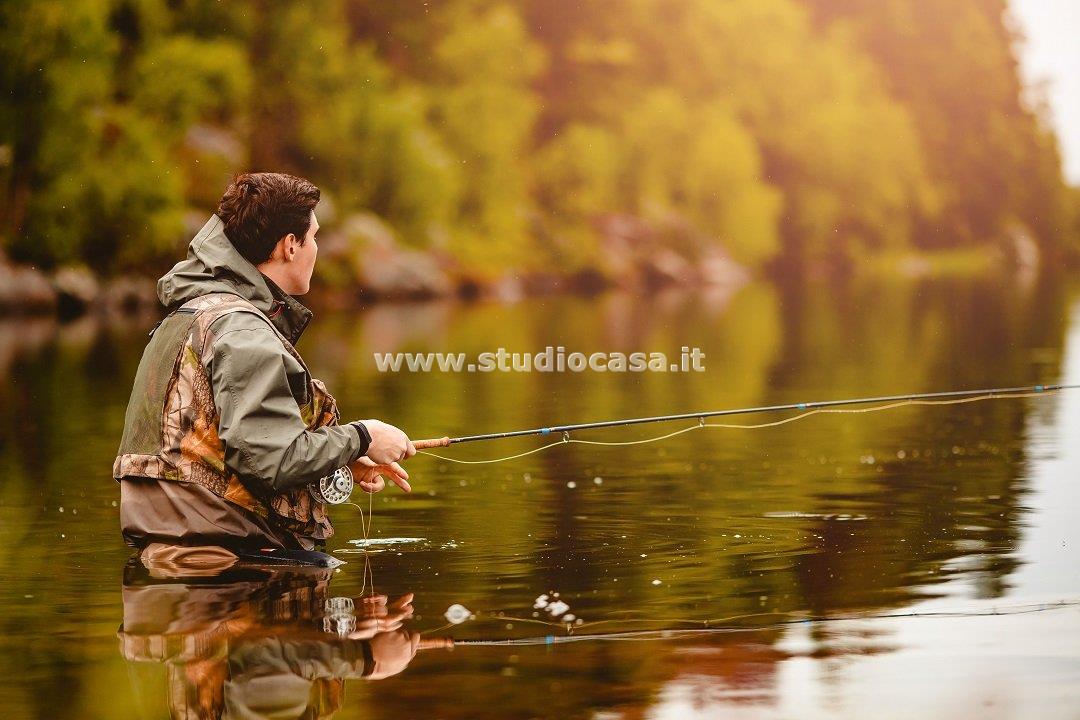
932	517
863	338
954	511
65	385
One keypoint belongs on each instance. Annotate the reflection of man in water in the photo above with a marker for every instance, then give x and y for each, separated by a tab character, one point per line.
252	644
226	428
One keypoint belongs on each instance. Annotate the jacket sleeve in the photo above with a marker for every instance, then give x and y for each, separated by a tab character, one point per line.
265	439
308	658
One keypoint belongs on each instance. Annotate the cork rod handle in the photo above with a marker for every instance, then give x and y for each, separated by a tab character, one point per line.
432	443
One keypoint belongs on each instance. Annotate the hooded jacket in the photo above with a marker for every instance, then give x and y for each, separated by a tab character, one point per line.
258	388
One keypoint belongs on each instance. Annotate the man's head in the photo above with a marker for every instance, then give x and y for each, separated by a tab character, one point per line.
270	220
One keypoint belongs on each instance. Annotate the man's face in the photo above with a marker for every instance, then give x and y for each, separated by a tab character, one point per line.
302	260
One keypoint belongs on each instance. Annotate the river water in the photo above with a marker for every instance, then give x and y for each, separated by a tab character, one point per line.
723	572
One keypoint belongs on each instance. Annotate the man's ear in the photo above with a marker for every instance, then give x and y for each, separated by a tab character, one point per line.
285	248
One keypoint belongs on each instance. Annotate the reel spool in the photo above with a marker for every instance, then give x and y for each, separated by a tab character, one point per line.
334	489
340	616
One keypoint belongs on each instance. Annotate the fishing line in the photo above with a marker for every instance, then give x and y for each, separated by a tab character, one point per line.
678	633
910	401
366	529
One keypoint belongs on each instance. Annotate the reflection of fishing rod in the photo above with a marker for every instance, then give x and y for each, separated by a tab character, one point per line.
915	398
684	633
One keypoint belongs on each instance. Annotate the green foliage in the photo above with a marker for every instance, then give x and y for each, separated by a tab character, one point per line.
97	165
485	110
844	154
119	203
953	66
344	96
501	131
709	170
587	172
577	180
94	173
182	80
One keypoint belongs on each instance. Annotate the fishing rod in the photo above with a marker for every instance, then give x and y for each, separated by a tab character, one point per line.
336	488
565	430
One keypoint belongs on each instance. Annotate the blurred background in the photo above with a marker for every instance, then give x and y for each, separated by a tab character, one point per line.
510	148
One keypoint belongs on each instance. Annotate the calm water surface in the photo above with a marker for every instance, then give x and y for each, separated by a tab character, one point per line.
968	508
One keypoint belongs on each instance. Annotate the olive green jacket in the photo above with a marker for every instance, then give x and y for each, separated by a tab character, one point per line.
258	386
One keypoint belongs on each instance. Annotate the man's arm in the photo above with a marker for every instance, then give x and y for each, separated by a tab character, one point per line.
264	436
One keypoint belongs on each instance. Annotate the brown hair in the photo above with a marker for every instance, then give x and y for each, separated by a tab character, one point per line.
259	209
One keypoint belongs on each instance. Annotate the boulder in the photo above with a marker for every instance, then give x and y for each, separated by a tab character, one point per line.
717	269
653	254
130	295
76	290
386	270
24	288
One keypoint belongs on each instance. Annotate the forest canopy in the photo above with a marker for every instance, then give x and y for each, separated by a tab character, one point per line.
500	134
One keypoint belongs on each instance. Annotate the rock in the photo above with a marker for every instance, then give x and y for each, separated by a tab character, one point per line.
589	281
211	140
1023	253
193	221
717	269
508	288
404	274
76	290
621	239
386	270
643	254
24	288
130	295
368	230
326	210
664	266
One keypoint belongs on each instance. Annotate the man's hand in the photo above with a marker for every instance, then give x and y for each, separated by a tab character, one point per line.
392	647
392	652
370	477
388	444
375	615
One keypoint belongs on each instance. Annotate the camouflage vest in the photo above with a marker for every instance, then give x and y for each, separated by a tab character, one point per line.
171	430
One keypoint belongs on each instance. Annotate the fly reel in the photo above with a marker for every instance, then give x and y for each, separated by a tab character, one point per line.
340	616
334	489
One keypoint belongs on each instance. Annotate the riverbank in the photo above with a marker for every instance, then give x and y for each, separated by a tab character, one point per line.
70	291
362	262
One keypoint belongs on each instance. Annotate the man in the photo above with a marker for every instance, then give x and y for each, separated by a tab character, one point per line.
226	429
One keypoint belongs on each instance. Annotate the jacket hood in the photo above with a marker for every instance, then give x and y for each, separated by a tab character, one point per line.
213	265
